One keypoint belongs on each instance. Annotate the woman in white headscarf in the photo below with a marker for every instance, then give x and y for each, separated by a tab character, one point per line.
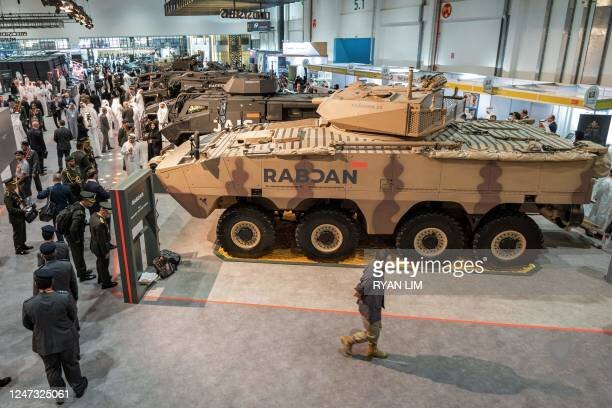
118	113
91	122
110	115
72	117
139	108
162	115
43	96
114	127
62	83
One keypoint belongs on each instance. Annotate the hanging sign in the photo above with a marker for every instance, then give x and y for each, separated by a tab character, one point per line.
590	97
245	14
258	26
487	85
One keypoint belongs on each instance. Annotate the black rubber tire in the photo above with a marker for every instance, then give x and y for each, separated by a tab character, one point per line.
345	224
261	219
452	228
508	221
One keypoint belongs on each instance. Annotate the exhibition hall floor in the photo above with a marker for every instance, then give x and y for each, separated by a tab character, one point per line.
243	334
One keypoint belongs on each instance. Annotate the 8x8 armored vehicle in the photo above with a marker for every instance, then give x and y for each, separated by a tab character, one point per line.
384	160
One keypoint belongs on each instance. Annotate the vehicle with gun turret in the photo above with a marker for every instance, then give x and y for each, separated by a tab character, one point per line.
172	83
243	99
384	160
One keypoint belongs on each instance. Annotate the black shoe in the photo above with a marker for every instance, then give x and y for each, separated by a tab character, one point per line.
21	252
82	387
109	285
86	278
59	402
5	381
27	247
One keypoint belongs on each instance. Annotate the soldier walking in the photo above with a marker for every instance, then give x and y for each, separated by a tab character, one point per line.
371	301
16	210
76	234
51	316
100	243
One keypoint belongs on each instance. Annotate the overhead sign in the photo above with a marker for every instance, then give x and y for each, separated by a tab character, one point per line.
12	36
305	49
590	97
245	14
487	85
259	26
350	69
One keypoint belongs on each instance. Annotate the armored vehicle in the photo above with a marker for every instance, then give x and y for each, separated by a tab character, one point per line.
244	99
384	160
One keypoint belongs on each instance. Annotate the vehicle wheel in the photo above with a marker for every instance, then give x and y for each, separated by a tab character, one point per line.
430	234
245	231
509	240
327	235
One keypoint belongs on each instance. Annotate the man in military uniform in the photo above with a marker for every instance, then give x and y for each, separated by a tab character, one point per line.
81	157
101	243
16	210
76	235
64	278
371	301
51	316
62	251
71	176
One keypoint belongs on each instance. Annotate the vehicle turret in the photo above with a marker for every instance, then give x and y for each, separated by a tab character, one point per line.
397	110
250	85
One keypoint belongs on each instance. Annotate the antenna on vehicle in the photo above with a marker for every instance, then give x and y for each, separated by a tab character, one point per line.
410	79
196	152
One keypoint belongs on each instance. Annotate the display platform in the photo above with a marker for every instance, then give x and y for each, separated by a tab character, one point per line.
360	259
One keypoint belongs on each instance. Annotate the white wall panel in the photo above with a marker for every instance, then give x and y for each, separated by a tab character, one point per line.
468	46
553	43
530	32
397	45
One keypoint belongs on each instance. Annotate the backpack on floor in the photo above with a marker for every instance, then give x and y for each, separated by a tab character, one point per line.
163	267
171	256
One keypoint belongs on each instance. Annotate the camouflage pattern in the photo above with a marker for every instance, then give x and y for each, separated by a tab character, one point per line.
380	154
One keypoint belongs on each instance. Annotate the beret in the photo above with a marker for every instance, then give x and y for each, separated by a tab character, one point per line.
48	229
47	248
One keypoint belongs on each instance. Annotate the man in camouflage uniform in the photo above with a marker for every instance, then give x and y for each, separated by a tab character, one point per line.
371	301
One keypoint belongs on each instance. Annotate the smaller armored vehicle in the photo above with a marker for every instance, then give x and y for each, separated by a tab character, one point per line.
244	99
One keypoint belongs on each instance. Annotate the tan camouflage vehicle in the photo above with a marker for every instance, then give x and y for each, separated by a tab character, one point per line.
384	160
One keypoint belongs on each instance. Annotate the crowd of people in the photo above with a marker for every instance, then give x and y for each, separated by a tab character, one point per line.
100	114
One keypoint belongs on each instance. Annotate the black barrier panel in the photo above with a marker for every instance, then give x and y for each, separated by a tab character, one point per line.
135	222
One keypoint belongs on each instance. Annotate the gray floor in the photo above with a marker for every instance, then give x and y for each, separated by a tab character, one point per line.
268	335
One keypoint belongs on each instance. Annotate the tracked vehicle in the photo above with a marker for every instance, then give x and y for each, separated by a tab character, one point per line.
384	160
